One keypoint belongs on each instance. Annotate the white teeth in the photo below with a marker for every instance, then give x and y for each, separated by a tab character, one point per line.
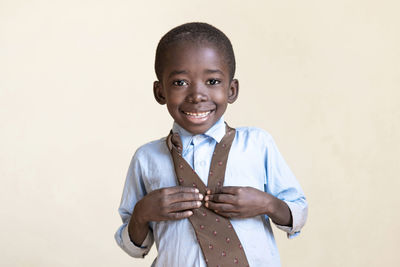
198	115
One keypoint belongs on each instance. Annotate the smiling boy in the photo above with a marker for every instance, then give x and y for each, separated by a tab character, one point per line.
195	66
189	67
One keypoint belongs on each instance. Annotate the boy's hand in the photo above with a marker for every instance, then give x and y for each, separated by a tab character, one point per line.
171	203
237	202
245	202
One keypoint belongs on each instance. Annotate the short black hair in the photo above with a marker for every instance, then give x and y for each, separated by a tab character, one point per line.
196	32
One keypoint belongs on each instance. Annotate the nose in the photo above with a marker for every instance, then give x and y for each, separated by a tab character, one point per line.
197	93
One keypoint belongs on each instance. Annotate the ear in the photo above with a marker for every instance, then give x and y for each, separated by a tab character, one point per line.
233	91
159	93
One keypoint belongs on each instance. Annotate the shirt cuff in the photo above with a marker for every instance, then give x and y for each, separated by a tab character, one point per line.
299	216
132	249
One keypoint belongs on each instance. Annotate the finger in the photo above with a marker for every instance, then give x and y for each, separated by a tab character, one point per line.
220	207
183	189
180	197
233	190
178	189
187	205
180	215
221	198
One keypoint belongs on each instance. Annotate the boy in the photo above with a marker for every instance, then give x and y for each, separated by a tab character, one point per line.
205	193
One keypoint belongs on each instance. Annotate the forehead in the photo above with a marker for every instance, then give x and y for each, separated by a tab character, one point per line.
193	55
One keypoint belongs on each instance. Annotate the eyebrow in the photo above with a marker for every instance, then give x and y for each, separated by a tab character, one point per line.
176	72
208	71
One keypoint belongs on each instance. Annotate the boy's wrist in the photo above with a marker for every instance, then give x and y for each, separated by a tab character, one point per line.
268	204
138	226
138	217
272	205
278	211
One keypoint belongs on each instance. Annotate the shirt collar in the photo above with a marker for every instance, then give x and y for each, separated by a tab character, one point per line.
217	132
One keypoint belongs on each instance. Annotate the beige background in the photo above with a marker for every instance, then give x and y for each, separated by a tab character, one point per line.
323	77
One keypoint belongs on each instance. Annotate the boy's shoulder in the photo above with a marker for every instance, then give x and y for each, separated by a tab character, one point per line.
253	138
150	149
250	132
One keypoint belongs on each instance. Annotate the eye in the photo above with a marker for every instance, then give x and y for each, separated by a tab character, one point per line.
213	82
180	83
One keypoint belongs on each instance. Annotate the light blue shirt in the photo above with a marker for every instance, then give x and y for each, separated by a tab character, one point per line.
254	160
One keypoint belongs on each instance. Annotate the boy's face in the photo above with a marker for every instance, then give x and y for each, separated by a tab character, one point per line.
195	85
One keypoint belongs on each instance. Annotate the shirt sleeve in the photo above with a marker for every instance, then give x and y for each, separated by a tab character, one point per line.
134	190
281	183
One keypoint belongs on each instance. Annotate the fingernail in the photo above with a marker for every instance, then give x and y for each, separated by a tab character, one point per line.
190	213
196	190
208	192
199	203
206	198
201	196
206	204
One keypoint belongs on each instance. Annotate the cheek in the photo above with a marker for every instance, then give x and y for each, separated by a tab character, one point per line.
220	97
175	98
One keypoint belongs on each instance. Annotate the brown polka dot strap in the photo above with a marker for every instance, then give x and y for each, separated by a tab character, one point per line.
217	238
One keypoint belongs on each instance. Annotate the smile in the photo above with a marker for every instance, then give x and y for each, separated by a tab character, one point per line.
197	115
